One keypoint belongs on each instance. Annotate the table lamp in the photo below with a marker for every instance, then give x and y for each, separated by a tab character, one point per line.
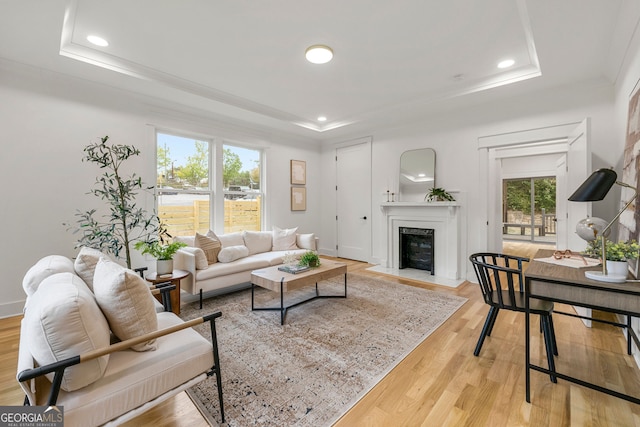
595	188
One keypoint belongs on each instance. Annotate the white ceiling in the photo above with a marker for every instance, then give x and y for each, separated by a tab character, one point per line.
244	60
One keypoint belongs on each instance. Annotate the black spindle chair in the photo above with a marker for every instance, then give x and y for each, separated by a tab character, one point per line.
498	276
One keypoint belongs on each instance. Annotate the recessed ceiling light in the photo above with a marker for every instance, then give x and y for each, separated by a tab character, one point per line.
506	63
322	119
98	41
318	54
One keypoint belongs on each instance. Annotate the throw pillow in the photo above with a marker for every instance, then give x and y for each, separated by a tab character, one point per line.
85	264
45	267
210	246
284	239
233	253
126	301
63	320
231	239
257	241
306	241
201	259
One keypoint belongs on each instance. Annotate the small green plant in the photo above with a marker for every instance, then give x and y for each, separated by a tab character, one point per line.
620	251
158	250
438	195
310	259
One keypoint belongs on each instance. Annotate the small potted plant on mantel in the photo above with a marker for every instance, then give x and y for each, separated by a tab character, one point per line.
163	253
439	195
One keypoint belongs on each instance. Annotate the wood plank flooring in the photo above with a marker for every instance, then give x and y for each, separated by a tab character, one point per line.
441	383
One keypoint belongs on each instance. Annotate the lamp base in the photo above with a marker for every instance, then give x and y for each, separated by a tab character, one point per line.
599	276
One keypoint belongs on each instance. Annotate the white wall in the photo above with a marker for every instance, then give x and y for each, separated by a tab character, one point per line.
454	136
45	122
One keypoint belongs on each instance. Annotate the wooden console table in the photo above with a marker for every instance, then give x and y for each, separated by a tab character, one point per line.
569	285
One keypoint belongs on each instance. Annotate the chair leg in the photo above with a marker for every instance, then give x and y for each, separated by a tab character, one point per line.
488	324
553	335
493	321
549	347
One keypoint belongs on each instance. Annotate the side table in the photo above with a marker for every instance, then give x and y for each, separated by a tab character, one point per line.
174	279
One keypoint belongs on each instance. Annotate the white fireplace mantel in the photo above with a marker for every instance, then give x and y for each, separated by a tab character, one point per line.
442	217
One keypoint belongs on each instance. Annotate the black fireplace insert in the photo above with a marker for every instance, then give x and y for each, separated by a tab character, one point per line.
416	248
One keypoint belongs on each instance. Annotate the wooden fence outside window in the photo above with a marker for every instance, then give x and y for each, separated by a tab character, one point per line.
239	215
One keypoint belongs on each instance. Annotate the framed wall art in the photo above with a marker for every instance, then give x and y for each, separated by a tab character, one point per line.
298	199
298	172
629	223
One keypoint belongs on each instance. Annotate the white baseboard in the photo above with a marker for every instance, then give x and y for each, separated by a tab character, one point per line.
11	309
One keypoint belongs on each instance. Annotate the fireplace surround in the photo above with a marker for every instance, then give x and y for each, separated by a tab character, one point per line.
444	218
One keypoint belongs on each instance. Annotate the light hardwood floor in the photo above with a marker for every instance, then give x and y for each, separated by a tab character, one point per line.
441	382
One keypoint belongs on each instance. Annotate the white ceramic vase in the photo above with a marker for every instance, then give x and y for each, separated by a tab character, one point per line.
164	266
617	268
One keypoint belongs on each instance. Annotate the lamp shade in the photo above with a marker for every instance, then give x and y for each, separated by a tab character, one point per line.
595	187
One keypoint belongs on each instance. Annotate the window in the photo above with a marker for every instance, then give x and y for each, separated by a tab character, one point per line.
241	173
183	184
187	193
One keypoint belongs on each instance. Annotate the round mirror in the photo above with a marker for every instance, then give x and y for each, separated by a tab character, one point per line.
417	174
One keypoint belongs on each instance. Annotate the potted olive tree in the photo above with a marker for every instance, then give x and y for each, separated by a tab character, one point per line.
125	222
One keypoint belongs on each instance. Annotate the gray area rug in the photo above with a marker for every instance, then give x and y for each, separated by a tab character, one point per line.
329	353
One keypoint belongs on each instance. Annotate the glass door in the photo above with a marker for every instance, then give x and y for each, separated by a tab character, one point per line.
529	209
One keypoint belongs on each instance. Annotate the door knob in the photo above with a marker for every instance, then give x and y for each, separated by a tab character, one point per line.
364	217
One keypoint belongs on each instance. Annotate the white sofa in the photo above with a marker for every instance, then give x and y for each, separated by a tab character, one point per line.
92	342
260	249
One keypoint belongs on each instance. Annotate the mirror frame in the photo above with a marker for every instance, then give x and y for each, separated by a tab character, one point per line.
413	186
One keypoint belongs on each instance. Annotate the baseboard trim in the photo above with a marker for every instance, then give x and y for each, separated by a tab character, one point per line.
11	309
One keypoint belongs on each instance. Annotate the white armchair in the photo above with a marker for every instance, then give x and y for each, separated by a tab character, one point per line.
66	355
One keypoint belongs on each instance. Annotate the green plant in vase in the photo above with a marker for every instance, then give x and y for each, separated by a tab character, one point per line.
310	259
439	195
159	251
619	251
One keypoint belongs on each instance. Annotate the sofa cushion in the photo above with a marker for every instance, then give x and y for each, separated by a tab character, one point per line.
257	241
63	320
284	239
277	257
126	301
232	253
210	246
85	264
201	258
45	267
306	241
238	266
231	239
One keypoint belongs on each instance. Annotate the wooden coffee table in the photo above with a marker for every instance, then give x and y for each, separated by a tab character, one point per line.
279	281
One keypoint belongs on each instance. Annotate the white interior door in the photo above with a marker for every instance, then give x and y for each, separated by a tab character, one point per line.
579	168
353	201
562	229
